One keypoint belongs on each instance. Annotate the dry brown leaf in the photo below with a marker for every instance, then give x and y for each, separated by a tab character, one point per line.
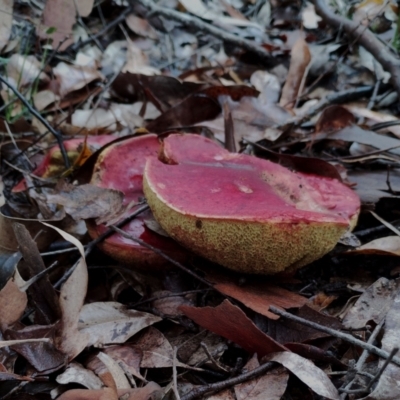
270	386
89	201
12	303
6	19
141	26
157	351
59	14
83	394
307	372
232	323
299	62
72	295
257	295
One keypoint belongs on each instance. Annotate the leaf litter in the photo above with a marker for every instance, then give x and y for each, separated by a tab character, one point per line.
278	80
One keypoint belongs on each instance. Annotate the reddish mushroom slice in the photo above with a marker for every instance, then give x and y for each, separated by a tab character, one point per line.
247	214
120	166
53	163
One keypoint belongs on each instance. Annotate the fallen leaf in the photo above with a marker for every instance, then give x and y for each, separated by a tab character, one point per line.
257	294
372	305
389	245
58	14
232	323
307	372
117	373
83	394
6	19
270	386
299	62
157	351
72	295
76	373
43	295
12	303
89	201
111	322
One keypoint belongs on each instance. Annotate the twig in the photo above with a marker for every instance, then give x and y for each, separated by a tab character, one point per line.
121	17
211	358
361	361
216	387
365	38
340	335
200	25
175	375
384	366
99	239
334	98
43	120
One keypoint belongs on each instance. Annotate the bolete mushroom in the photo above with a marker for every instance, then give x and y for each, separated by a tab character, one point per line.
245	213
120	166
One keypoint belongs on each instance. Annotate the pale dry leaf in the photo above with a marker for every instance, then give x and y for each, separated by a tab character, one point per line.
128	357
112	322
388	245
84	7
372	305
141	26
198	8
121	382
137	61
76	373
13	302
270	386
95	119
157	351
307	372
309	17
23	70
6	19
74	77
89	201
44	98
388	387
299	61
72	295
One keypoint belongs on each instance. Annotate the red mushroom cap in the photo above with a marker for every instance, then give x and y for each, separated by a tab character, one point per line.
242	212
120	166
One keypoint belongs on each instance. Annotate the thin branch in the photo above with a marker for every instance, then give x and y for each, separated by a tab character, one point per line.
121	17
216	387
43	120
340	335
200	25
365	38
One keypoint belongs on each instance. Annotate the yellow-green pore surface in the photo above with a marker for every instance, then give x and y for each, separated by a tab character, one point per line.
244	213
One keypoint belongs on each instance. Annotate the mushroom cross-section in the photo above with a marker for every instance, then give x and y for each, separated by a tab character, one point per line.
245	213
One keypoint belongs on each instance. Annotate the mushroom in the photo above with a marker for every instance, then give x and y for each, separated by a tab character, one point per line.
120	166
245	213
